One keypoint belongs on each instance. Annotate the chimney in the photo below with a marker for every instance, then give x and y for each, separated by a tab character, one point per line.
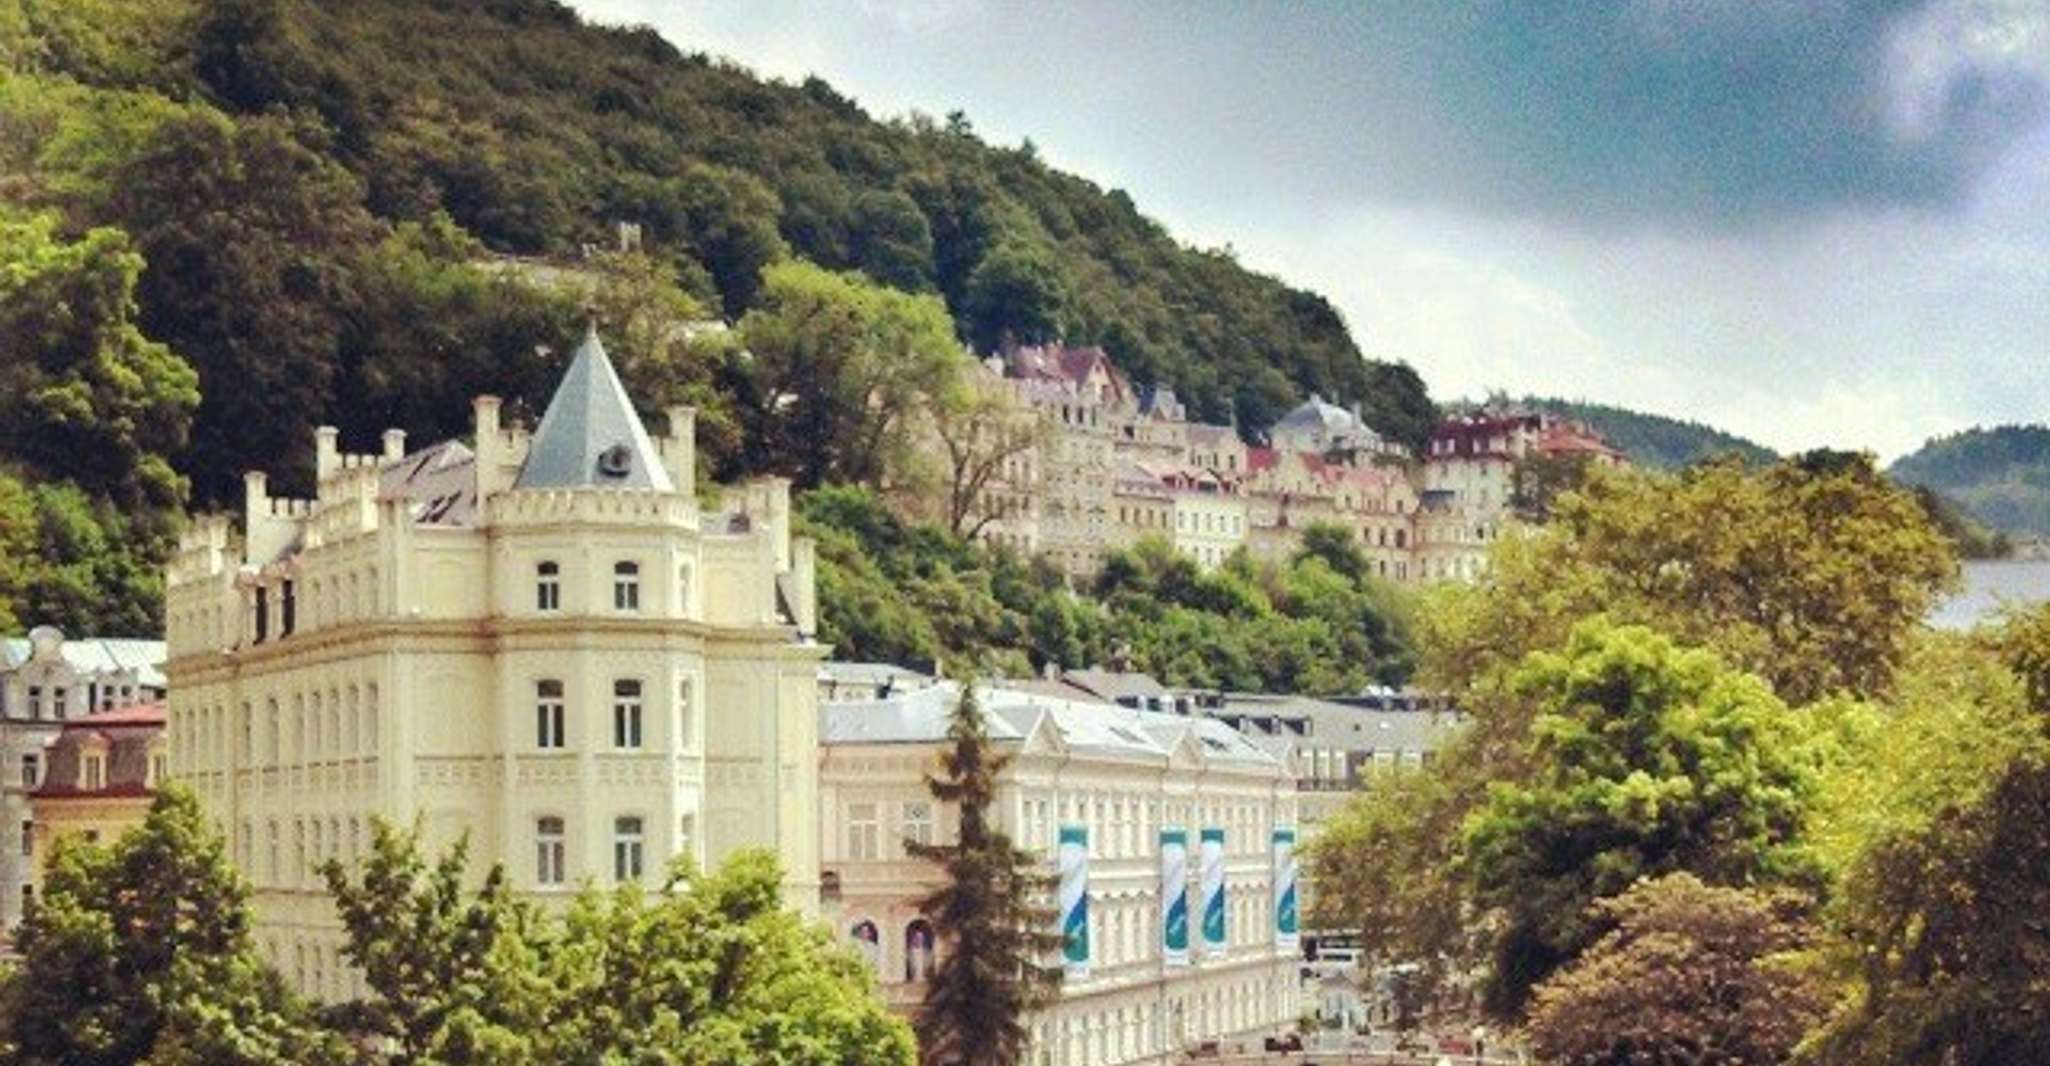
680	448
326	452
394	443
484	410
255	498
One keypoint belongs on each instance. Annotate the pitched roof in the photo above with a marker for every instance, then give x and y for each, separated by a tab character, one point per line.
440	480
590	435
95	655
1315	412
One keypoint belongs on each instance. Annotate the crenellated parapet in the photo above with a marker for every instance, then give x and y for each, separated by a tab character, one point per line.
591	506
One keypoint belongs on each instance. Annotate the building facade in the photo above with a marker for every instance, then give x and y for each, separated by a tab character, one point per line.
102	772
541	643
1117	462
1135	800
46	680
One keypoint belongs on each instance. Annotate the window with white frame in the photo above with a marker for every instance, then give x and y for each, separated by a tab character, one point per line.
548	714
864	831
627	840
626	713
94	777
918	822
626	586
549	851
31	770
547	586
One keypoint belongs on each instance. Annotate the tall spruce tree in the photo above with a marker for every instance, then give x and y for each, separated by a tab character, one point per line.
993	926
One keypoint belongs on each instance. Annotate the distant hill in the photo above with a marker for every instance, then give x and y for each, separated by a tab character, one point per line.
1999	475
1654	440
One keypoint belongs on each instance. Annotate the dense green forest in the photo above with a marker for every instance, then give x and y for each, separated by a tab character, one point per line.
1655	440
230	222
2001	475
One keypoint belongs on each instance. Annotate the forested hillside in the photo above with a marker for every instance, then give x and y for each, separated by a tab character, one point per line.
2001	475
230	222
1655	440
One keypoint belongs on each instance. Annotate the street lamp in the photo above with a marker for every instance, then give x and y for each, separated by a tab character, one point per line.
1480	1042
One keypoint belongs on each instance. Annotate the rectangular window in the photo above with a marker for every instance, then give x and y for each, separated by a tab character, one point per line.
918	822
626	587
863	831
288	608
626	849
57	701
35	701
28	838
686	724
31	770
547	587
262	612
548	714
626	714
95	773
549	851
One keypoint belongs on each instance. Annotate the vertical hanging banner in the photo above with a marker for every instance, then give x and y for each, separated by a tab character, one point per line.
1285	934
1073	859
1174	897
1210	853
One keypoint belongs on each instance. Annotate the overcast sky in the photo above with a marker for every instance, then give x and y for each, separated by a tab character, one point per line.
1808	221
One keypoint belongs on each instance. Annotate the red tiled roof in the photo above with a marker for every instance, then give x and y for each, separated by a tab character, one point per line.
135	714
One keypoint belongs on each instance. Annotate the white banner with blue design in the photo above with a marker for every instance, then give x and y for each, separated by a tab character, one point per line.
1210	854
1073	899
1285	932
1174	897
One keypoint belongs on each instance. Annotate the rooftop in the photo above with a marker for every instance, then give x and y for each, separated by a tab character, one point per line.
590	435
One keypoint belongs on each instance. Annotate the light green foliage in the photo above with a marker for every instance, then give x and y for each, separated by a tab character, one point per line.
139	951
1810	573
1646	758
1381	865
839	369
712	969
1687	973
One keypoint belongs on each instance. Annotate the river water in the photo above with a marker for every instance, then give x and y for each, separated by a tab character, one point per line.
1991	586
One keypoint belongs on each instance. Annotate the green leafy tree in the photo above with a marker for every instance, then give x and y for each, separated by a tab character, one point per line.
451	976
93	400
139	952
995	930
1687	973
1811	575
250	235
1645	759
837	369
1016	295
712	969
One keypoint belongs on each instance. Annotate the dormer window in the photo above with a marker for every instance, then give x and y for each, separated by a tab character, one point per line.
626	586
547	586
615	462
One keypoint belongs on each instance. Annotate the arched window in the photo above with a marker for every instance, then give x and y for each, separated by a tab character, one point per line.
918	950
868	942
547	586
686	712
626	586
683	590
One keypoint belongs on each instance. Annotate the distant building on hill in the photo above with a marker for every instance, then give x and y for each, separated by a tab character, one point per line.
540	641
47	680
101	774
1119	462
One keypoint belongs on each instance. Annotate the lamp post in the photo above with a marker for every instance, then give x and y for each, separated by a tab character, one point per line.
1480	1043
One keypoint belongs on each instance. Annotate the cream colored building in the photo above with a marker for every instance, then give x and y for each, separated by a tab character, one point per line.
1123	775
46	680
540	642
102	773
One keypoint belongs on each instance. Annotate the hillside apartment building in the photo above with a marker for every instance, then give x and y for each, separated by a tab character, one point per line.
1116	462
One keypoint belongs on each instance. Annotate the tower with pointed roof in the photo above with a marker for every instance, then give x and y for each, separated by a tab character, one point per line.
538	640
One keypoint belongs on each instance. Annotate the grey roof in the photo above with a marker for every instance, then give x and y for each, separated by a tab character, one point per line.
1012	713
1114	685
1339	725
97	655
845	673
440	480
1315	412
590	435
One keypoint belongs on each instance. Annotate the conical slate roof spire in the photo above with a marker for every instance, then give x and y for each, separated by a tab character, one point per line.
590	435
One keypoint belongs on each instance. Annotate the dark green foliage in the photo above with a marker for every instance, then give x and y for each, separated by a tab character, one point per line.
914	594
140	951
995	931
1972	538
2000	476
1655	440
